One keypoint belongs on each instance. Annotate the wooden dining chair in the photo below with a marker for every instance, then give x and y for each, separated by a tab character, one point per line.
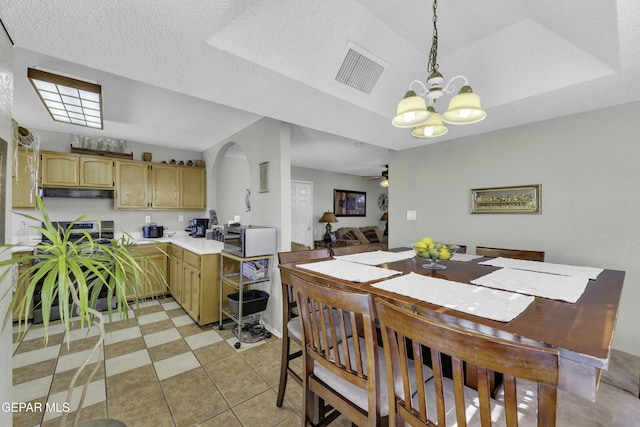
462	249
444	401
343	374
510	253
349	249
292	329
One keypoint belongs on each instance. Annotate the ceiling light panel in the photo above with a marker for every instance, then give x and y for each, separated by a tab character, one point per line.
68	100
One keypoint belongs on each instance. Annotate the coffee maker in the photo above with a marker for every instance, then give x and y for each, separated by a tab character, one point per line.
199	227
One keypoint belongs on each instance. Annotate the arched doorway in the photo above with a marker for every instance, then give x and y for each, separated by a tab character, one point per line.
233	180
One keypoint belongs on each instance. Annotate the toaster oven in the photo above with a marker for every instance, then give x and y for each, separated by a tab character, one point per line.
249	240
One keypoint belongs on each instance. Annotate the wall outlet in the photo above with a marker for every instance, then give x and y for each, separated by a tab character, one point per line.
147	219
180	218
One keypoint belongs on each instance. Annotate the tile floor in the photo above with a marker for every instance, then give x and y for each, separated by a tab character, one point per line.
161	369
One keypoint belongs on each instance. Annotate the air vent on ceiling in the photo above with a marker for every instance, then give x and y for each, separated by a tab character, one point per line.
360	70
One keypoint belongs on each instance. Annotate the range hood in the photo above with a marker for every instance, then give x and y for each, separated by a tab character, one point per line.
77	193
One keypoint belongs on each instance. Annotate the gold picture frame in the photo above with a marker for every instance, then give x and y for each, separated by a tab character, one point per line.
523	199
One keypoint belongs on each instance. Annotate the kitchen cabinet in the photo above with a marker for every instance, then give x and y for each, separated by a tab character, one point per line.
23	283
165	186
141	185
175	273
96	172
73	171
158	255
194	283
25	174
132	185
193	188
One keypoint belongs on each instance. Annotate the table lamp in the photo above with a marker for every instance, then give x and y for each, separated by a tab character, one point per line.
328	217
385	217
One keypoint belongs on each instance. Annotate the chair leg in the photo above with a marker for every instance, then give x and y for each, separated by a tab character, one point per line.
284	366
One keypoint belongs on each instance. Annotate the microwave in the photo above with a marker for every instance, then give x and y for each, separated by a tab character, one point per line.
249	240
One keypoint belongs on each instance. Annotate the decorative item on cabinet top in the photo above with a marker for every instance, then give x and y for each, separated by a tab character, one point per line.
92	152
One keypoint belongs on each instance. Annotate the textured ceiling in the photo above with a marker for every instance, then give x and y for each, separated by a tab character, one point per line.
192	73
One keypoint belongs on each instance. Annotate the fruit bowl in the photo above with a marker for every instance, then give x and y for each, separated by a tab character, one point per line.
434	252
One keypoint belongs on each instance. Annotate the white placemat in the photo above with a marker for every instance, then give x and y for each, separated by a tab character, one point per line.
464	257
350	271
552	286
477	300
377	257
545	267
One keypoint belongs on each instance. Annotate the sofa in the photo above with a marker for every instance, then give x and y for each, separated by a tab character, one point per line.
368	235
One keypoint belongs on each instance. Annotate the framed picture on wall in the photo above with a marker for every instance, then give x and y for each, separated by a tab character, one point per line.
349	203
506	200
264	177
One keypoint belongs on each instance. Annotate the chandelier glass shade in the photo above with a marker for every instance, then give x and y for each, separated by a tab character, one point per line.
431	128
412	111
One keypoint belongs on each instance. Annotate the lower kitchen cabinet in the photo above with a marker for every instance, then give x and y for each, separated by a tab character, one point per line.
194	282
23	283
157	254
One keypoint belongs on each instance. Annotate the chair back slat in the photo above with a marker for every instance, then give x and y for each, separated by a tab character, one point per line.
458	390
486	355
510	253
510	401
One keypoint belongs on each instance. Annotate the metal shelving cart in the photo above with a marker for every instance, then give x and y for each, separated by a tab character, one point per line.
245	306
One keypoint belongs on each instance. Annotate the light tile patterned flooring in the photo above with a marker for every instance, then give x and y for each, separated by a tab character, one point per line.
159	369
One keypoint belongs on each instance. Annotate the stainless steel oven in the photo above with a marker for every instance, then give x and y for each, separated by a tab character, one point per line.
249	240
100	231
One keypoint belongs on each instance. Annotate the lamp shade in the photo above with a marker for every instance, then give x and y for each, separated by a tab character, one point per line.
384	183
384	217
431	128
411	111
328	217
464	108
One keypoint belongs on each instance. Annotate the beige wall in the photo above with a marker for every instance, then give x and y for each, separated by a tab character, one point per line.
267	140
588	167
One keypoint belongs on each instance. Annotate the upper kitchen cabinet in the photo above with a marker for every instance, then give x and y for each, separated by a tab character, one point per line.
193	193
132	185
24	193
59	170
165	187
72	171
96	173
158	186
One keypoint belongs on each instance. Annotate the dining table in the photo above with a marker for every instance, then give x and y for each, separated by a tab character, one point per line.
581	331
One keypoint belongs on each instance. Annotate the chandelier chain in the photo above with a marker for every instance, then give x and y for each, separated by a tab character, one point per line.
432	66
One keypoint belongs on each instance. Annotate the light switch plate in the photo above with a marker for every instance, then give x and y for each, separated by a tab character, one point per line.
411	215
180	218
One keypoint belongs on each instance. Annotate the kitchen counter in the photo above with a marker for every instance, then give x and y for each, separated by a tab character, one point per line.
200	246
24	245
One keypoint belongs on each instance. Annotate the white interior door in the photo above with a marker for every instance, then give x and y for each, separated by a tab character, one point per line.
302	212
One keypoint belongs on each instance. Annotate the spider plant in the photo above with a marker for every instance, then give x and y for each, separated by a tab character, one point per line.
76	271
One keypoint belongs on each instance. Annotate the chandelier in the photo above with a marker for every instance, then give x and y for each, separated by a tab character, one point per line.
412	111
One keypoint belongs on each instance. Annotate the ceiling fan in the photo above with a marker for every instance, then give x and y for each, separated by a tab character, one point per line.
384	177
